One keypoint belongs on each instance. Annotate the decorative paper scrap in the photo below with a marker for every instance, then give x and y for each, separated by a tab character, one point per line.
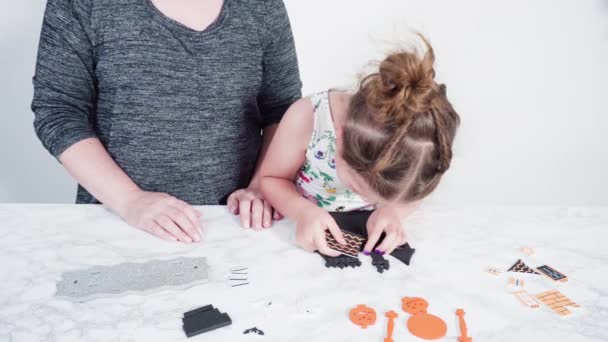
521	267
526	299
557	302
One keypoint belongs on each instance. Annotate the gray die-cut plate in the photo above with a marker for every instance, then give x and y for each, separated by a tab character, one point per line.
128	278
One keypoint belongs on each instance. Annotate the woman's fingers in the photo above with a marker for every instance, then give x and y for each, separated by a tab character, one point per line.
277	216
167	224
179	217
267	215
233	203
254	211
193	216
245	212
257	212
158	231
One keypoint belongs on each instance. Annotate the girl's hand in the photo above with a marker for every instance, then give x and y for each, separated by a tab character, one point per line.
254	210
162	215
310	231
387	220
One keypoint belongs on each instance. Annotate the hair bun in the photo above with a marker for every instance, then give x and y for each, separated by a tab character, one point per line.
404	79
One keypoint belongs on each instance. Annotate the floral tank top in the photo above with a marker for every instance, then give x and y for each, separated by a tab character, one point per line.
317	179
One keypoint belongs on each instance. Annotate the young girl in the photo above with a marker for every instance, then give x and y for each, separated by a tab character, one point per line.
384	147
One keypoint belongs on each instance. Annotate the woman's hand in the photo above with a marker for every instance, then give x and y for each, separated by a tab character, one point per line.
162	215
310	231
255	211
387	220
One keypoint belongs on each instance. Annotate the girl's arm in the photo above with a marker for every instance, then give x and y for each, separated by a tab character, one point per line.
285	156
267	135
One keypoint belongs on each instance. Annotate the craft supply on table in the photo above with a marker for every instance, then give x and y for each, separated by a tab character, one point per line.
403	253
516	282
355	223
341	261
521	267
421	323
526	299
362	316
552	273
239	276
527	251
253	330
354	243
493	271
128	278
391	315
379	262
557	302
463	327
203	320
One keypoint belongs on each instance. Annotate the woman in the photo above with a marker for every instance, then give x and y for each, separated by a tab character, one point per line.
157	105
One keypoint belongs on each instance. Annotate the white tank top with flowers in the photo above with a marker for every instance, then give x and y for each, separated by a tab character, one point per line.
317	179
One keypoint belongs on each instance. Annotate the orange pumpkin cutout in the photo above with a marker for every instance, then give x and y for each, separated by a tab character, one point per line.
423	324
363	316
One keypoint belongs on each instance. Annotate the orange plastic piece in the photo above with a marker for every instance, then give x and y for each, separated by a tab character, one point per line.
391	325
557	302
363	316
463	327
423	324
527	250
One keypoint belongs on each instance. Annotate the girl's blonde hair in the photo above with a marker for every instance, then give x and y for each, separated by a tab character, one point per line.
400	127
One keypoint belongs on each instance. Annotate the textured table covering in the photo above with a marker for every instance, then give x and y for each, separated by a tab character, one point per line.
308	302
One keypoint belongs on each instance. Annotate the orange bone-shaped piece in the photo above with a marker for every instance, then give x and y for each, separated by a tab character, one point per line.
391	325
463	327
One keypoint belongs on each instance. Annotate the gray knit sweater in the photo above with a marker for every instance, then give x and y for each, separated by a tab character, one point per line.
179	110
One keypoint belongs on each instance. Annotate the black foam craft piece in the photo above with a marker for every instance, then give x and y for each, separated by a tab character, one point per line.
340	261
254	330
203	320
356	222
403	253
380	263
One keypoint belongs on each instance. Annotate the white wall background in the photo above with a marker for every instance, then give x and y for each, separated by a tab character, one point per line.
527	77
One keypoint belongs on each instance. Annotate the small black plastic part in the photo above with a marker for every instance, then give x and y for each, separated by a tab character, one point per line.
195	311
204	319
253	330
380	263
341	261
